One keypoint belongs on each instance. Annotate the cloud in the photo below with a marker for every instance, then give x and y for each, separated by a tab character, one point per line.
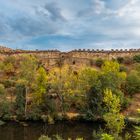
54	12
71	24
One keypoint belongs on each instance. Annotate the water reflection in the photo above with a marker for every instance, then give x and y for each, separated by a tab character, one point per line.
14	131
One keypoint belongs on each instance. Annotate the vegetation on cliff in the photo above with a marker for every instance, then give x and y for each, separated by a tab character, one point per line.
29	91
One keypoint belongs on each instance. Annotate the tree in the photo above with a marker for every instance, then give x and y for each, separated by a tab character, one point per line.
65	87
87	78
133	83
120	60
136	58
2	89
20	99
114	120
112	102
8	66
27	71
5	107
94	108
40	85
99	62
111	77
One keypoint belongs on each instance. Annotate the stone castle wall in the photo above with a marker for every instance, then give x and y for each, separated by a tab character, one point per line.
52	57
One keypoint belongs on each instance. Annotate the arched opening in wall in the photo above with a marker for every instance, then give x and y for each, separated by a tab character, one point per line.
74	62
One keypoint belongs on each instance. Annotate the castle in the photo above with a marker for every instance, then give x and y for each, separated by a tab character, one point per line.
51	57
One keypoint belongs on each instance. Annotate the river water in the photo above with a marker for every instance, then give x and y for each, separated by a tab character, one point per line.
15	131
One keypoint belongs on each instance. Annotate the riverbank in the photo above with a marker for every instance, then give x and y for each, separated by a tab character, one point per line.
69	117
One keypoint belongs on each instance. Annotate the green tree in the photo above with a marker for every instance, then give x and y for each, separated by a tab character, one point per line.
111	101
8	66
120	60
5	106
65	87
40	85
114	120
2	89
27	71
99	62
136	58
133	83
111	77
20	99
94	108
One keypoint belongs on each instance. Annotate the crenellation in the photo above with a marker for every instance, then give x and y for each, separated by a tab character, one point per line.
80	56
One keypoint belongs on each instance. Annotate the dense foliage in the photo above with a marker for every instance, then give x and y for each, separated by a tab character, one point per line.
29	90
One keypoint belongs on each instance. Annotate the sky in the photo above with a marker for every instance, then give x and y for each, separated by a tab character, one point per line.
70	24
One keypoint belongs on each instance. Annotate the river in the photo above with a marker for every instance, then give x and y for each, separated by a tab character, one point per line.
15	131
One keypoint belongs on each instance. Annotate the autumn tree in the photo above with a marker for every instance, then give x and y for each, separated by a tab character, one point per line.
27	71
111	77
40	85
114	120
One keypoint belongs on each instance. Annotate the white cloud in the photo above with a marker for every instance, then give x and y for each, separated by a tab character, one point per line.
93	23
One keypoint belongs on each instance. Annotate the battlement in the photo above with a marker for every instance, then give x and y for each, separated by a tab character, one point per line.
80	56
5	50
106	51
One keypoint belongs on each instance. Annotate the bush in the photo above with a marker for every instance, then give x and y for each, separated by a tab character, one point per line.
128	60
94	102
55	137
123	68
91	62
2	89
99	62
120	60
43	137
106	136
137	133
5	110
34	113
20	99
126	103
136	58
133	83
8	83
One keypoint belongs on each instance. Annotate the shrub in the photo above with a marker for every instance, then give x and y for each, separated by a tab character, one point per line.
55	137
99	62
114	120
123	68
137	133
106	136
2	89
43	137
5	110
34	113
20	99
91	62
136	58
94	102
128	60
120	59
133	83
126	103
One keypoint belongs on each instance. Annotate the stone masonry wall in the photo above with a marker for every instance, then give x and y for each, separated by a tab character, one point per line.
53	57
